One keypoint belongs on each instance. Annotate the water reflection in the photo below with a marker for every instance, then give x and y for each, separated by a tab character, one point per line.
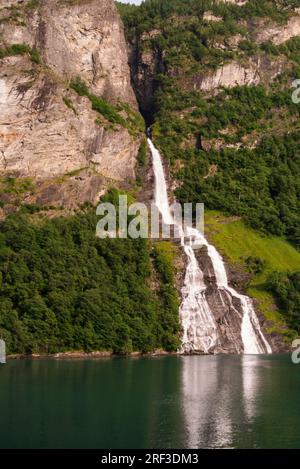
250	373
219	396
164	402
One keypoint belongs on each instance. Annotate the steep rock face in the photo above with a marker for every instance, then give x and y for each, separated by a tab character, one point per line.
257	70
42	137
46	129
146	63
83	38
87	40
148	60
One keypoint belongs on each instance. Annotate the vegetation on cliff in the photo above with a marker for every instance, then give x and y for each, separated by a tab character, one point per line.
133	121
249	134
20	49
286	287
180	32
236	149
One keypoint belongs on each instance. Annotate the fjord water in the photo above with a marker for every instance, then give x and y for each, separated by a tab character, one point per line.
164	402
200	330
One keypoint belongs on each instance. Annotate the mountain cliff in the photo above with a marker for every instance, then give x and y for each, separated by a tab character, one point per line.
48	130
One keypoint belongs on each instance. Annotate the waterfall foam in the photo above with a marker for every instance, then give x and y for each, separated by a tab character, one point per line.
201	331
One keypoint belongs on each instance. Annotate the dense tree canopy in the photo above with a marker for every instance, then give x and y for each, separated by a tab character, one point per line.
62	288
286	287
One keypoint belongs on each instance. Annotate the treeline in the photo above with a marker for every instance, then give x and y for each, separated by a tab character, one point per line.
62	288
154	12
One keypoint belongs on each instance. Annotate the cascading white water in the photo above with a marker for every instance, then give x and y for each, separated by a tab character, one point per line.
200	330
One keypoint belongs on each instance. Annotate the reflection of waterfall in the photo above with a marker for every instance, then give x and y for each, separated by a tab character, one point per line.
220	396
250	371
207	400
235	325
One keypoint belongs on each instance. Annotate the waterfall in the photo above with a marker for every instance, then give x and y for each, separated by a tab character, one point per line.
202	331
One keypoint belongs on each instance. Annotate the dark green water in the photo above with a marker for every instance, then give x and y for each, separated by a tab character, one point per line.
168	402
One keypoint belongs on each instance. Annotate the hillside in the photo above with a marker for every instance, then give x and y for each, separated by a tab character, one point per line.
214	78
69	131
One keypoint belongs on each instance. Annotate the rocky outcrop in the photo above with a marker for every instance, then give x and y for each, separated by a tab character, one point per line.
46	129
228	310
278	34
261	68
78	38
209	16
256	70
87	40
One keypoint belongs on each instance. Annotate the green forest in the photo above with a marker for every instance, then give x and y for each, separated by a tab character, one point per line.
62	288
